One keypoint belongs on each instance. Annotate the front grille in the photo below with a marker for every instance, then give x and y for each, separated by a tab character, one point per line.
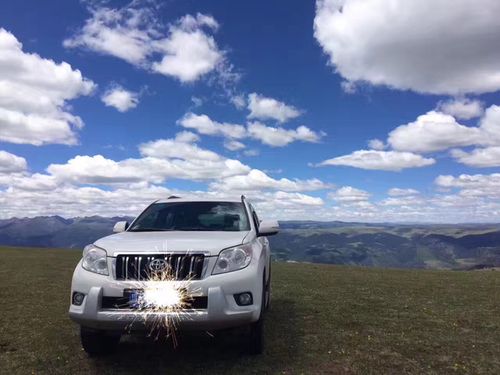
140	266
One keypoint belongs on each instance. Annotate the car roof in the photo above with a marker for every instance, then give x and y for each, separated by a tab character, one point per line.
198	199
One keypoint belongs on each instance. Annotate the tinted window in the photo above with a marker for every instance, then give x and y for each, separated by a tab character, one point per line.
194	216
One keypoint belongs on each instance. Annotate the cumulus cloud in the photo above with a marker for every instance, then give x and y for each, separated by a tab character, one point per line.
10	163
279	137
472	185
433	131
120	98
398	192
234	145
71	201
186	52
189	52
258	180
479	157
349	194
265	108
205	125
462	108
126	33
272	136
34	92
429	46
437	131
163	159
394	161
376	144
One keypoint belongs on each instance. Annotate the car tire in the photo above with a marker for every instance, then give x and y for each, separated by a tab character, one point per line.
256	336
98	342
268	290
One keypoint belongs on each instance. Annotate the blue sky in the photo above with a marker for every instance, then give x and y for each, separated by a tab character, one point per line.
325	78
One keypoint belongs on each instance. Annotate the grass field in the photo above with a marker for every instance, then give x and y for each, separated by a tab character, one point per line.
324	319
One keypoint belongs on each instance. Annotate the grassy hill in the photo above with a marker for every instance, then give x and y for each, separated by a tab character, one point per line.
431	246
324	319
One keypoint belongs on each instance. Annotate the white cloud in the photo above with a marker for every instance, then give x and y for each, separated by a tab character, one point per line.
272	136
187	137
125	33
205	125
349	194
472	185
33	96
239	101
279	137
479	157
403	202
437	131
10	163
433	131
234	145
376	144
462	108
187	52
197	102
264	108
258	180
251	152
171	148
398	192
298	200
120	98
380	160
429	46
175	158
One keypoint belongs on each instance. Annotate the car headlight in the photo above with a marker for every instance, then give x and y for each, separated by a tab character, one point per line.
94	260
232	259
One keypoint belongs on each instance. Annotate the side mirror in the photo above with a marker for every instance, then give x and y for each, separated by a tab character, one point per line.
268	228
120	226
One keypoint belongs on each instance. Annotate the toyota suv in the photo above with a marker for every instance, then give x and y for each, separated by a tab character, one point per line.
200	264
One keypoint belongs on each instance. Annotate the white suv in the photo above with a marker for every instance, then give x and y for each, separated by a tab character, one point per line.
215	250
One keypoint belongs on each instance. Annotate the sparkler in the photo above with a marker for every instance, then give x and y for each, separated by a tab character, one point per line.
160	301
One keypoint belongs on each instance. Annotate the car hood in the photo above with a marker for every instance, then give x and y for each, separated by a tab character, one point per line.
175	241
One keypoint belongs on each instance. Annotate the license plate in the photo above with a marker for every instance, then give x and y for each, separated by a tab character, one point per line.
134	297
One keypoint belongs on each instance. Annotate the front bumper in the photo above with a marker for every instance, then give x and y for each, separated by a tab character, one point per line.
221	312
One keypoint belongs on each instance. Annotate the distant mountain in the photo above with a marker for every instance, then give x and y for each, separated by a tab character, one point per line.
55	231
462	246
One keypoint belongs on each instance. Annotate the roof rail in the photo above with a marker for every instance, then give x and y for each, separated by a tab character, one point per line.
173	197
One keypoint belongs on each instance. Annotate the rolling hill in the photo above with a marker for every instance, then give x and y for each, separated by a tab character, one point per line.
384	245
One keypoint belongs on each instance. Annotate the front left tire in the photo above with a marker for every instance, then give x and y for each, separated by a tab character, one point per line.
256	335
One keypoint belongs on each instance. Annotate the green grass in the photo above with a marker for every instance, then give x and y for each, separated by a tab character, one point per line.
324	319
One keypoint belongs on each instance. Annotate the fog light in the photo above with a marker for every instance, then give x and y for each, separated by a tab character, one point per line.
243	299
78	298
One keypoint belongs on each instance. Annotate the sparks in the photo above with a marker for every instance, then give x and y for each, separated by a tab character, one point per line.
159	301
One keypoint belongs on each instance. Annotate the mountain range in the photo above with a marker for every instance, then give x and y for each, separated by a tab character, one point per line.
436	246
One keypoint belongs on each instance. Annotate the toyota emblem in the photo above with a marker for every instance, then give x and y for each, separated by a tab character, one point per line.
158	265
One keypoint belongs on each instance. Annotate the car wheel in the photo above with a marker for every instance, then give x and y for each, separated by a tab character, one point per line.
268	290
256	337
98	342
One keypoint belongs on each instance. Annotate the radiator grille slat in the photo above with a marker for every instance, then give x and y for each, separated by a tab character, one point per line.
181	266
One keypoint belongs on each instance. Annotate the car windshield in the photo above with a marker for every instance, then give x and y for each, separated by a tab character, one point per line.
192	216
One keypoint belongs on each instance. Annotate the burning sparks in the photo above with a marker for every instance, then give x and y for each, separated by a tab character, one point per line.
159	302
162	296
